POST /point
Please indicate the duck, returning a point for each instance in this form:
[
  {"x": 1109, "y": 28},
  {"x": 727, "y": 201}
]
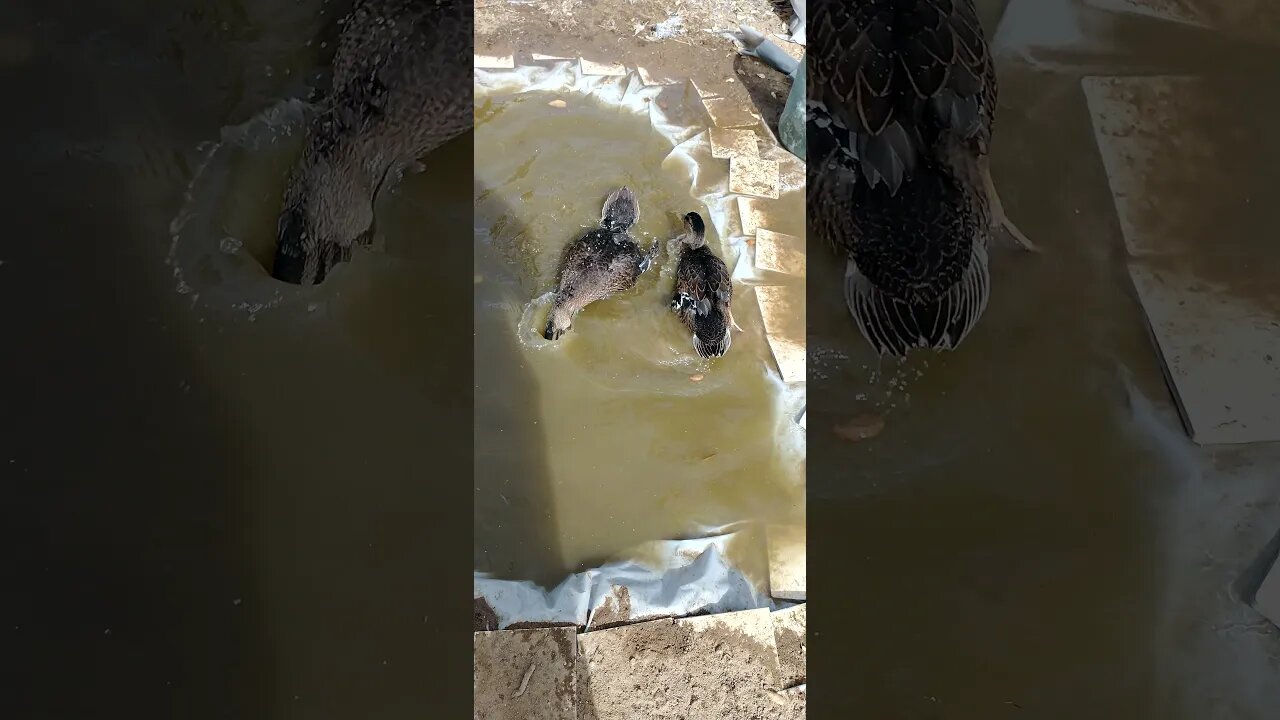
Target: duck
[
  {"x": 401, "y": 88},
  {"x": 703, "y": 296},
  {"x": 900, "y": 119},
  {"x": 601, "y": 263}
]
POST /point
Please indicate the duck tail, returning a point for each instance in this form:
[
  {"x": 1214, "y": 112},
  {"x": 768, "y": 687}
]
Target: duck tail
[
  {"x": 712, "y": 342},
  {"x": 894, "y": 326},
  {"x": 621, "y": 210},
  {"x": 695, "y": 230}
]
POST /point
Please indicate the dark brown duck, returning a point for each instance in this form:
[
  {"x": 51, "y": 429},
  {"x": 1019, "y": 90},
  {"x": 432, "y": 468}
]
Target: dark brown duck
[
  {"x": 902, "y": 104},
  {"x": 601, "y": 263},
  {"x": 401, "y": 87},
  {"x": 703, "y": 291}
]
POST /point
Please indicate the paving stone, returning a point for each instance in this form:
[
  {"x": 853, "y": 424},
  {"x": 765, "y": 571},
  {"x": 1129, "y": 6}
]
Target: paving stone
[
  {"x": 705, "y": 668},
  {"x": 1221, "y": 353},
  {"x": 728, "y": 113},
  {"x": 780, "y": 253},
  {"x": 1253, "y": 18},
  {"x": 650, "y": 77},
  {"x": 490, "y": 62},
  {"x": 754, "y": 176},
  {"x": 1267, "y": 601},
  {"x": 787, "y": 570},
  {"x": 1195, "y": 207},
  {"x": 590, "y": 67},
  {"x": 789, "y": 632},
  {"x": 733, "y": 142},
  {"x": 782, "y": 310},
  {"x": 525, "y": 674}
]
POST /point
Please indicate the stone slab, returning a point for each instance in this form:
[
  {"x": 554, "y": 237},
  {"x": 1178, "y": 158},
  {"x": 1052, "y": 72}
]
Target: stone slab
[
  {"x": 787, "y": 563},
  {"x": 1194, "y": 205},
  {"x": 752, "y": 212},
  {"x": 754, "y": 176},
  {"x": 590, "y": 67},
  {"x": 491, "y": 62},
  {"x": 790, "y": 634},
  {"x": 525, "y": 674},
  {"x": 1221, "y": 354},
  {"x": 650, "y": 77},
  {"x": 782, "y": 311},
  {"x": 1267, "y": 601},
  {"x": 1258, "y": 19},
  {"x": 781, "y": 253},
  {"x": 705, "y": 668},
  {"x": 1153, "y": 155},
  {"x": 730, "y": 113},
  {"x": 733, "y": 142}
]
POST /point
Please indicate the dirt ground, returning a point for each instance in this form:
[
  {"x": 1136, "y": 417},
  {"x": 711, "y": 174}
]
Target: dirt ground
[{"x": 680, "y": 38}]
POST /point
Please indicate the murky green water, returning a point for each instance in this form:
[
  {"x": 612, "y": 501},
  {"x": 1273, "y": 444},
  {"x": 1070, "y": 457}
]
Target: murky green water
[
  {"x": 1027, "y": 538},
  {"x": 213, "y": 515},
  {"x": 602, "y": 440}
]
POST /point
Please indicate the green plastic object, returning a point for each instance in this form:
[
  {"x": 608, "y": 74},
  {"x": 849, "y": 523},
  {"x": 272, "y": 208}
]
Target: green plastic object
[{"x": 791, "y": 130}]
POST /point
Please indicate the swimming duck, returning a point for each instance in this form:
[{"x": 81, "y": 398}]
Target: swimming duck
[
  {"x": 900, "y": 122},
  {"x": 703, "y": 293},
  {"x": 605, "y": 261},
  {"x": 401, "y": 88}
]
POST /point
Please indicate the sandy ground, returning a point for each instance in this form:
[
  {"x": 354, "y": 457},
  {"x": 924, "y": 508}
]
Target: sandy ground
[{"x": 681, "y": 38}]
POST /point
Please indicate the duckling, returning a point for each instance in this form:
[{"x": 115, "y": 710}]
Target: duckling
[
  {"x": 900, "y": 122},
  {"x": 605, "y": 261},
  {"x": 703, "y": 293},
  {"x": 401, "y": 88}
]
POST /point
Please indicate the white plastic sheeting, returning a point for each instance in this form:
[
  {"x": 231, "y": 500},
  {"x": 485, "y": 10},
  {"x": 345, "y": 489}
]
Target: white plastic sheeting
[{"x": 688, "y": 577}]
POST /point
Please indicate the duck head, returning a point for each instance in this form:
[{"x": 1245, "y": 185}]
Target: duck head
[
  {"x": 559, "y": 320},
  {"x": 327, "y": 210},
  {"x": 695, "y": 231}
]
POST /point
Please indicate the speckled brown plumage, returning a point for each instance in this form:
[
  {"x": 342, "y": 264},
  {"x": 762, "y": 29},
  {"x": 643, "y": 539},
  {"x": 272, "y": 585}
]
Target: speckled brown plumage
[
  {"x": 703, "y": 295},
  {"x": 401, "y": 87},
  {"x": 604, "y": 261},
  {"x": 903, "y": 96}
]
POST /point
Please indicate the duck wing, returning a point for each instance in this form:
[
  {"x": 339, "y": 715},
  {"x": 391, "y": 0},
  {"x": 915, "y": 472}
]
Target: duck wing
[
  {"x": 702, "y": 284},
  {"x": 890, "y": 75}
]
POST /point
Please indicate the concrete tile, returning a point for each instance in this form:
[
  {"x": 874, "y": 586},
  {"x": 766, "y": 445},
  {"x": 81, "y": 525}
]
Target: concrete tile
[
  {"x": 1153, "y": 157},
  {"x": 590, "y": 67},
  {"x": 790, "y": 637},
  {"x": 1252, "y": 18},
  {"x": 733, "y": 142},
  {"x": 649, "y": 77},
  {"x": 701, "y": 92},
  {"x": 753, "y": 176},
  {"x": 780, "y": 253},
  {"x": 1267, "y": 600},
  {"x": 753, "y": 213},
  {"x": 1221, "y": 354},
  {"x": 490, "y": 62},
  {"x": 706, "y": 668},
  {"x": 796, "y": 699},
  {"x": 525, "y": 674},
  {"x": 728, "y": 113},
  {"x": 787, "y": 568},
  {"x": 782, "y": 311}
]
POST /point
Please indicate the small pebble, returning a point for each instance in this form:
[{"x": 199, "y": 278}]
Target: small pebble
[
  {"x": 696, "y": 378},
  {"x": 863, "y": 427},
  {"x": 557, "y": 103}
]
